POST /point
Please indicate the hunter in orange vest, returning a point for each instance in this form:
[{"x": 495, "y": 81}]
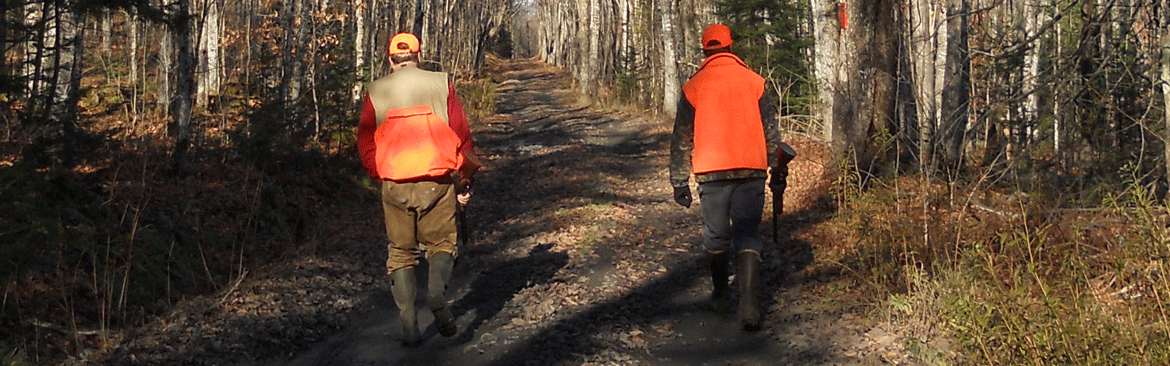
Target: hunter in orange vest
[
  {"x": 725, "y": 133},
  {"x": 413, "y": 136}
]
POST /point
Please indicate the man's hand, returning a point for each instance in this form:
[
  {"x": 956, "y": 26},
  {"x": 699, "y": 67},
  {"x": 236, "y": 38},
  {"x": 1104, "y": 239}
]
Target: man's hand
[
  {"x": 779, "y": 180},
  {"x": 463, "y": 190},
  {"x": 682, "y": 195},
  {"x": 463, "y": 198}
]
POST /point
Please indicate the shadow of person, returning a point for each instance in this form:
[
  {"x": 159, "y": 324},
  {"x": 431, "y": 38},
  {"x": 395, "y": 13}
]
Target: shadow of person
[{"x": 493, "y": 288}]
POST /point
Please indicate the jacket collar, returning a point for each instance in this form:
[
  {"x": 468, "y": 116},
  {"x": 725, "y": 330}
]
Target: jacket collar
[{"x": 722, "y": 56}]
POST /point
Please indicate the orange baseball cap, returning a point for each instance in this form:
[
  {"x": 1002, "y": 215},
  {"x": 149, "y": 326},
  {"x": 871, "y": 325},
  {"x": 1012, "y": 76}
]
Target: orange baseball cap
[
  {"x": 403, "y": 43},
  {"x": 716, "y": 36}
]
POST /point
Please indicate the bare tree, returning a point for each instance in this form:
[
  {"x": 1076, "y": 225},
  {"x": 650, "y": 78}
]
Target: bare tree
[
  {"x": 670, "y": 83},
  {"x": 956, "y": 85},
  {"x": 1164, "y": 22},
  {"x": 210, "y": 66},
  {"x": 359, "y": 49},
  {"x": 184, "y": 87}
]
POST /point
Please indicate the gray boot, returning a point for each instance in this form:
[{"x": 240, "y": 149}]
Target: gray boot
[
  {"x": 440, "y": 273},
  {"x": 404, "y": 286},
  {"x": 748, "y": 272},
  {"x": 721, "y": 296}
]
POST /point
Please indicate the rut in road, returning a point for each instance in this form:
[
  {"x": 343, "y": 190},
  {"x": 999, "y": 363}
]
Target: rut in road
[{"x": 580, "y": 257}]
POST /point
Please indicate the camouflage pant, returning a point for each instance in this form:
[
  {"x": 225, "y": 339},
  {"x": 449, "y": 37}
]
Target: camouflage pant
[{"x": 420, "y": 217}]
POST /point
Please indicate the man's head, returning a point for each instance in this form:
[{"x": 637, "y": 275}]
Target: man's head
[
  {"x": 716, "y": 39},
  {"x": 404, "y": 50}
]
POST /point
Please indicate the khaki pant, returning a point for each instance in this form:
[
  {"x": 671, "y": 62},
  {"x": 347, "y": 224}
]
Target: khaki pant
[{"x": 420, "y": 217}]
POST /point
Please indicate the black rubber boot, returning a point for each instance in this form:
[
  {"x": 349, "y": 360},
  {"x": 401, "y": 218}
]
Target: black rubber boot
[
  {"x": 721, "y": 296},
  {"x": 748, "y": 273},
  {"x": 438, "y": 276},
  {"x": 404, "y": 286}
]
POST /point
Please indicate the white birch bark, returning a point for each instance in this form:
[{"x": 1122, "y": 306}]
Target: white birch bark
[
  {"x": 132, "y": 24},
  {"x": 1031, "y": 19},
  {"x": 33, "y": 48},
  {"x": 594, "y": 59},
  {"x": 166, "y": 62},
  {"x": 359, "y": 50},
  {"x": 824, "y": 60},
  {"x": 1165, "y": 79},
  {"x": 210, "y": 67},
  {"x": 670, "y": 83},
  {"x": 1058, "y": 119}
]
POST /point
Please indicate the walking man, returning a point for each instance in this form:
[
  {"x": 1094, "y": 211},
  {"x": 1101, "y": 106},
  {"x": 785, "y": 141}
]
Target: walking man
[
  {"x": 414, "y": 137},
  {"x": 725, "y": 132}
]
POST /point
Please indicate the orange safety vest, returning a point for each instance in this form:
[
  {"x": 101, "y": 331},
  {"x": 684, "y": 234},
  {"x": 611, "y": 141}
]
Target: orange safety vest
[
  {"x": 729, "y": 132},
  {"x": 414, "y": 142}
]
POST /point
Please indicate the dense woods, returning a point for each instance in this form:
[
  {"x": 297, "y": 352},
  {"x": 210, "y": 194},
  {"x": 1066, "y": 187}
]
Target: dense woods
[{"x": 1072, "y": 96}]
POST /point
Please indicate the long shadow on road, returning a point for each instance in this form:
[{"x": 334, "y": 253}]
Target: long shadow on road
[{"x": 548, "y": 161}]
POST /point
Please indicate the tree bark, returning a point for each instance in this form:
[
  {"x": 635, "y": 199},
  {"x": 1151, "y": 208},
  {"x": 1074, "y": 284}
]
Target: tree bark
[
  {"x": 825, "y": 38},
  {"x": 166, "y": 61},
  {"x": 670, "y": 83},
  {"x": 359, "y": 50},
  {"x": 185, "y": 90},
  {"x": 956, "y": 84},
  {"x": 925, "y": 46},
  {"x": 210, "y": 61},
  {"x": 1165, "y": 80},
  {"x": 67, "y": 50}
]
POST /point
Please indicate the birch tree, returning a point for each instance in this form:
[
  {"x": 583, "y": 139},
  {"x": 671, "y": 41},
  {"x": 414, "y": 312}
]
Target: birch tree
[
  {"x": 670, "y": 83},
  {"x": 1164, "y": 22},
  {"x": 359, "y": 50},
  {"x": 210, "y": 61}
]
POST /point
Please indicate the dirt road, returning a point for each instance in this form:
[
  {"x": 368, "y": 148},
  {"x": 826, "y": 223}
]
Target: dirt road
[
  {"x": 581, "y": 258},
  {"x": 578, "y": 257}
]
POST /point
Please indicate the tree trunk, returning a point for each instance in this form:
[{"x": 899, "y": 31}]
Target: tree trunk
[
  {"x": 166, "y": 61},
  {"x": 825, "y": 38},
  {"x": 34, "y": 54},
  {"x": 132, "y": 24},
  {"x": 1031, "y": 68},
  {"x": 185, "y": 90},
  {"x": 289, "y": 92},
  {"x": 1165, "y": 80},
  {"x": 956, "y": 84},
  {"x": 594, "y": 60},
  {"x": 359, "y": 50},
  {"x": 924, "y": 22},
  {"x": 670, "y": 83},
  {"x": 106, "y": 18},
  {"x": 210, "y": 66},
  {"x": 67, "y": 50},
  {"x": 1058, "y": 118}
]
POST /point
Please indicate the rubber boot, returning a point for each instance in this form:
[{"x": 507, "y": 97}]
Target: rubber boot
[
  {"x": 721, "y": 296},
  {"x": 748, "y": 273},
  {"x": 404, "y": 286},
  {"x": 439, "y": 274}
]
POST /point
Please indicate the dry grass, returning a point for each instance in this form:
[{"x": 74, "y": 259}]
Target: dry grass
[{"x": 971, "y": 274}]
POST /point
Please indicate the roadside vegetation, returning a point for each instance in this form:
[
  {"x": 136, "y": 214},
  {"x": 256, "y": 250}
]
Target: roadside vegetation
[{"x": 1007, "y": 272}]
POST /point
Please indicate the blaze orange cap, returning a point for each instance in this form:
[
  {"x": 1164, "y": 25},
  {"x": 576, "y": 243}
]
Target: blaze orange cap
[
  {"x": 716, "y": 36},
  {"x": 403, "y": 43}
]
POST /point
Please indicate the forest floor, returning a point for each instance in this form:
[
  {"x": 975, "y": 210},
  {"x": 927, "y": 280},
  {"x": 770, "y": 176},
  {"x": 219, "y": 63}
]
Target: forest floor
[{"x": 578, "y": 256}]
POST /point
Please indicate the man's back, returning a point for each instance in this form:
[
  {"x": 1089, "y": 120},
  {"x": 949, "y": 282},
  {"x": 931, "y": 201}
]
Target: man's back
[{"x": 410, "y": 87}]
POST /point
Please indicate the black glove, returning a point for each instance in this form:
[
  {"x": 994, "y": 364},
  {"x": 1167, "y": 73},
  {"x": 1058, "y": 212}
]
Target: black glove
[
  {"x": 779, "y": 181},
  {"x": 682, "y": 195}
]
